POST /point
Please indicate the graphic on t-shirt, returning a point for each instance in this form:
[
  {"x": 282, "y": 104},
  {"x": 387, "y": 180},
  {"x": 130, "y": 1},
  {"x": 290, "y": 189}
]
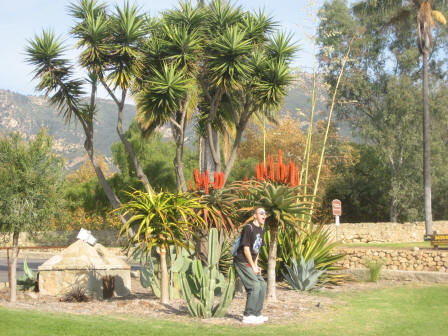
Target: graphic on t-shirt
[{"x": 257, "y": 243}]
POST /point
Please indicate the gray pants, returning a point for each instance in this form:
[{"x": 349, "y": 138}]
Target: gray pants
[{"x": 255, "y": 288}]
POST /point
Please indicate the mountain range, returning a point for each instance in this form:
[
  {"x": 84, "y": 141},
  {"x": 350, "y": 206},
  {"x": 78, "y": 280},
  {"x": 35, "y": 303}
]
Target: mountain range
[{"x": 27, "y": 114}]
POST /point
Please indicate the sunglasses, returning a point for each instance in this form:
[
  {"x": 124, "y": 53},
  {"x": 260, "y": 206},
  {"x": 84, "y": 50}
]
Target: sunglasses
[{"x": 262, "y": 212}]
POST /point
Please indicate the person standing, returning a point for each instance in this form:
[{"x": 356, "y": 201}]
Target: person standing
[{"x": 246, "y": 266}]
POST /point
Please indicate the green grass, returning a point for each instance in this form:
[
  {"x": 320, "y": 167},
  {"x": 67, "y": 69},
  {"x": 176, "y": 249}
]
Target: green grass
[
  {"x": 390, "y": 245},
  {"x": 394, "y": 311}
]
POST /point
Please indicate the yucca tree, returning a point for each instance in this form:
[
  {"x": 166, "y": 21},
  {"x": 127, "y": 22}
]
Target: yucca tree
[
  {"x": 57, "y": 82},
  {"x": 161, "y": 220},
  {"x": 398, "y": 11},
  {"x": 166, "y": 90},
  {"x": 110, "y": 50},
  {"x": 244, "y": 70}
]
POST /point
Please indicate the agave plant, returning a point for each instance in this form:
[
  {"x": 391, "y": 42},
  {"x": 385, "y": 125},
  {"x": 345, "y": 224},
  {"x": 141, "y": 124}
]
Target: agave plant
[
  {"x": 314, "y": 242},
  {"x": 28, "y": 280},
  {"x": 302, "y": 278}
]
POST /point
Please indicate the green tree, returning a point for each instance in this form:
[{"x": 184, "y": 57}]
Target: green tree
[
  {"x": 422, "y": 12},
  {"x": 379, "y": 92},
  {"x": 156, "y": 157},
  {"x": 31, "y": 180}
]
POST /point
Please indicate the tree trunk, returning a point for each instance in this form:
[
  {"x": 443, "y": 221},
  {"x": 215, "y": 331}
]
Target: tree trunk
[
  {"x": 426, "y": 147},
  {"x": 207, "y": 161},
  {"x": 129, "y": 149},
  {"x": 110, "y": 194},
  {"x": 127, "y": 145},
  {"x": 13, "y": 279},
  {"x": 164, "y": 281},
  {"x": 393, "y": 198},
  {"x": 271, "y": 295},
  {"x": 178, "y": 136}
]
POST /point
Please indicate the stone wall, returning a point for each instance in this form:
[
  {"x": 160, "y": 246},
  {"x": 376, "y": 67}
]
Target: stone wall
[
  {"x": 385, "y": 232},
  {"x": 396, "y": 259},
  {"x": 63, "y": 238},
  {"x": 346, "y": 232}
]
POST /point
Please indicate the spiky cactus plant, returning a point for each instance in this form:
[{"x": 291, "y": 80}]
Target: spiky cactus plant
[{"x": 200, "y": 284}]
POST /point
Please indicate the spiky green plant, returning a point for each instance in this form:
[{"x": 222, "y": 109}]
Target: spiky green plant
[
  {"x": 374, "y": 267},
  {"x": 200, "y": 284},
  {"x": 28, "y": 280},
  {"x": 311, "y": 243},
  {"x": 160, "y": 220},
  {"x": 302, "y": 278}
]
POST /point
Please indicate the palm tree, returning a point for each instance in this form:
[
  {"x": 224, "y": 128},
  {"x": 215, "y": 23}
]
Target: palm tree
[{"x": 426, "y": 17}]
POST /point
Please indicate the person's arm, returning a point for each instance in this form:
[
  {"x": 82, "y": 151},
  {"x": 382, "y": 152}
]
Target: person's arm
[{"x": 249, "y": 259}]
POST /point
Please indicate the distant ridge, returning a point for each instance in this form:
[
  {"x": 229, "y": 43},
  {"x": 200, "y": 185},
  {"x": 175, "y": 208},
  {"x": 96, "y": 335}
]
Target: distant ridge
[{"x": 28, "y": 114}]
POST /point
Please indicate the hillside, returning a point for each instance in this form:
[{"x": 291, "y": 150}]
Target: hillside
[{"x": 28, "y": 114}]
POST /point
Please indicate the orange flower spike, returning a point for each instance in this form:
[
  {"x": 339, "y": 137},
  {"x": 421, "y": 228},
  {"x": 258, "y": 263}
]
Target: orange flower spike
[
  {"x": 272, "y": 173},
  {"x": 277, "y": 175},
  {"x": 245, "y": 178},
  {"x": 189, "y": 186},
  {"x": 196, "y": 178},
  {"x": 215, "y": 180},
  {"x": 282, "y": 172},
  {"x": 222, "y": 180},
  {"x": 280, "y": 156}
]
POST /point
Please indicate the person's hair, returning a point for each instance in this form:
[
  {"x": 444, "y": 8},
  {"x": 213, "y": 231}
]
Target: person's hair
[{"x": 256, "y": 209}]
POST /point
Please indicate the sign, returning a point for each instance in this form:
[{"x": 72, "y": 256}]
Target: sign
[{"x": 337, "y": 207}]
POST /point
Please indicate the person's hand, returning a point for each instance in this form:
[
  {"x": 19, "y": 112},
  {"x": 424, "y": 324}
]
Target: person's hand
[{"x": 257, "y": 270}]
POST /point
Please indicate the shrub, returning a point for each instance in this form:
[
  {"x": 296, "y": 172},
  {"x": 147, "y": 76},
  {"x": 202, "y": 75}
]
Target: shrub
[
  {"x": 374, "y": 267},
  {"x": 76, "y": 294}
]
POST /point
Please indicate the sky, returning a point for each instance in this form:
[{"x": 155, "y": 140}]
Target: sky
[{"x": 21, "y": 20}]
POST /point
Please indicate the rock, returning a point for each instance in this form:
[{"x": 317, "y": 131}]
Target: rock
[
  {"x": 415, "y": 249},
  {"x": 32, "y": 295}
]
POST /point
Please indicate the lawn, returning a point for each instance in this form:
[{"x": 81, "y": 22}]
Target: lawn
[{"x": 408, "y": 310}]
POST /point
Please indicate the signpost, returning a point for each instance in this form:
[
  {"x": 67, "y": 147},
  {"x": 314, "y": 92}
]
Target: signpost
[{"x": 336, "y": 206}]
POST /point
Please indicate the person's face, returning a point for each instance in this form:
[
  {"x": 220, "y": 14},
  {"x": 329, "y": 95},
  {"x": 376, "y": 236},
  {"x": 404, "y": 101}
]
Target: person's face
[{"x": 260, "y": 216}]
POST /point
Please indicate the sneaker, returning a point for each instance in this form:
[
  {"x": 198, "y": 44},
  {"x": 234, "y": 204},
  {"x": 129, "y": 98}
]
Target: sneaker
[
  {"x": 252, "y": 319},
  {"x": 263, "y": 318}
]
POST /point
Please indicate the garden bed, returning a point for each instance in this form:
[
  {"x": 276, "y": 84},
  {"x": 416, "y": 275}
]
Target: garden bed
[{"x": 291, "y": 307}]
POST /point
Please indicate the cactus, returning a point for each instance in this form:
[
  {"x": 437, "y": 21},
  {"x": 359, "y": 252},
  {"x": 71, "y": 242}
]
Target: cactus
[
  {"x": 178, "y": 262},
  {"x": 200, "y": 284},
  {"x": 302, "y": 278}
]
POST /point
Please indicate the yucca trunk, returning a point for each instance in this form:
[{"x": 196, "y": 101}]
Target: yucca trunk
[
  {"x": 110, "y": 194},
  {"x": 272, "y": 257},
  {"x": 164, "y": 278},
  {"x": 129, "y": 149},
  {"x": 426, "y": 147},
  {"x": 13, "y": 274}
]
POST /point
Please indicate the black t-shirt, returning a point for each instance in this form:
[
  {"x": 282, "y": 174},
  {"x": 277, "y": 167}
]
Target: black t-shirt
[{"x": 251, "y": 236}]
